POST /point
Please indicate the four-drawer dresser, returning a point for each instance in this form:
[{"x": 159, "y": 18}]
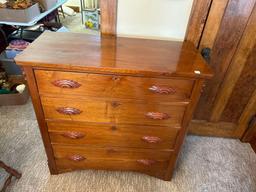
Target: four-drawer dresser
[{"x": 113, "y": 103}]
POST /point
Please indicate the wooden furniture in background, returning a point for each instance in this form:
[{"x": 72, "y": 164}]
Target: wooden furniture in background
[
  {"x": 113, "y": 103},
  {"x": 12, "y": 172},
  {"x": 224, "y": 30},
  {"x": 108, "y": 15}
]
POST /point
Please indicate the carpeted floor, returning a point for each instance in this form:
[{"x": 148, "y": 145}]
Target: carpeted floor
[{"x": 205, "y": 165}]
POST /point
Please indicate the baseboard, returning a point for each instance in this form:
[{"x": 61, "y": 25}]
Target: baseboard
[
  {"x": 253, "y": 145},
  {"x": 205, "y": 128}
]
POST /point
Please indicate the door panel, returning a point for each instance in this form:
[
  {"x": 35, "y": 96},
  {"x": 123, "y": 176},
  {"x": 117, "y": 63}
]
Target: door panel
[
  {"x": 230, "y": 32},
  {"x": 227, "y": 100},
  {"x": 244, "y": 87},
  {"x": 243, "y": 58}
]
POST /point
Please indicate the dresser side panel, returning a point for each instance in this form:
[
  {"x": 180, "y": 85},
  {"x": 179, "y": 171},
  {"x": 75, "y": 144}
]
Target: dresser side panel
[
  {"x": 40, "y": 118},
  {"x": 186, "y": 120}
]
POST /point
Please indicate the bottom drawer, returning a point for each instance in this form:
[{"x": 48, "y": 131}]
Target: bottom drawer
[{"x": 152, "y": 162}]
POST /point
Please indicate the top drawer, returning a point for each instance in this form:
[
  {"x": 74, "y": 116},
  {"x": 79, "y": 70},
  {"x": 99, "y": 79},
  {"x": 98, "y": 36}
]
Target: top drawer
[{"x": 126, "y": 87}]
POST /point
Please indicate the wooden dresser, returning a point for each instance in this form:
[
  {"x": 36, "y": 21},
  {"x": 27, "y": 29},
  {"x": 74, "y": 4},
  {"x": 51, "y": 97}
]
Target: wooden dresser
[{"x": 113, "y": 103}]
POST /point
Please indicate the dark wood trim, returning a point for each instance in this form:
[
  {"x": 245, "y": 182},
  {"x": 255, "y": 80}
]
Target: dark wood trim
[
  {"x": 248, "y": 112},
  {"x": 217, "y": 129},
  {"x": 213, "y": 23},
  {"x": 251, "y": 131},
  {"x": 108, "y": 16},
  {"x": 40, "y": 118},
  {"x": 250, "y": 134},
  {"x": 197, "y": 21}
]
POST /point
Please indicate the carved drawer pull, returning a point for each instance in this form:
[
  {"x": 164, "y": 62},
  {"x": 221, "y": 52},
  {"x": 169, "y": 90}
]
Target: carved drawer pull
[
  {"x": 157, "y": 115},
  {"x": 162, "y": 90},
  {"x": 115, "y": 104},
  {"x": 76, "y": 158},
  {"x": 116, "y": 78},
  {"x": 73, "y": 135},
  {"x": 68, "y": 111},
  {"x": 146, "y": 162},
  {"x": 65, "y": 83},
  {"x": 151, "y": 139}
]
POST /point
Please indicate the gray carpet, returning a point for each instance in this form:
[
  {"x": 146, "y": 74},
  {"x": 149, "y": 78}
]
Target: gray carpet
[{"x": 205, "y": 165}]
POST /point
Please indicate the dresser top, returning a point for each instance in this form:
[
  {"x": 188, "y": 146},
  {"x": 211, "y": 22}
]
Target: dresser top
[{"x": 81, "y": 52}]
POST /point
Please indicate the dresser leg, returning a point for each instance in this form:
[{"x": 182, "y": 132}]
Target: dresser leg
[{"x": 52, "y": 170}]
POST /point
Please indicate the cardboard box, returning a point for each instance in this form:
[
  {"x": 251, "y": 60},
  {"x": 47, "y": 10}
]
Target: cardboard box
[
  {"x": 15, "y": 98},
  {"x": 48, "y": 4},
  {"x": 19, "y": 15}
]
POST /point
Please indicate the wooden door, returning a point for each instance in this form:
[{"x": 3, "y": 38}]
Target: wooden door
[{"x": 225, "y": 32}]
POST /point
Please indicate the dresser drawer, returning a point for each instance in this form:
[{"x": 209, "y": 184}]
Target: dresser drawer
[
  {"x": 148, "y": 161},
  {"x": 68, "y": 83},
  {"x": 105, "y": 135},
  {"x": 107, "y": 111}
]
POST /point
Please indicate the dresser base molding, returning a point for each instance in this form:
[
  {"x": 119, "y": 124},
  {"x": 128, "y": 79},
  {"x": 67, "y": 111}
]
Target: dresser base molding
[
  {"x": 125, "y": 107},
  {"x": 121, "y": 166},
  {"x": 146, "y": 161}
]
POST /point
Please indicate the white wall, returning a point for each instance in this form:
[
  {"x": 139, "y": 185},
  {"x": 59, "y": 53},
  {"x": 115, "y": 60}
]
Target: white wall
[{"x": 159, "y": 19}]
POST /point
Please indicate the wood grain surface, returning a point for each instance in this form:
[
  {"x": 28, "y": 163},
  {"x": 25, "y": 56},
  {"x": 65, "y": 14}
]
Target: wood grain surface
[
  {"x": 108, "y": 16},
  {"x": 235, "y": 17},
  {"x": 106, "y": 135},
  {"x": 213, "y": 23},
  {"x": 244, "y": 58},
  {"x": 132, "y": 56},
  {"x": 197, "y": 21},
  {"x": 113, "y": 159},
  {"x": 114, "y": 86},
  {"x": 40, "y": 118},
  {"x": 119, "y": 111},
  {"x": 114, "y": 103}
]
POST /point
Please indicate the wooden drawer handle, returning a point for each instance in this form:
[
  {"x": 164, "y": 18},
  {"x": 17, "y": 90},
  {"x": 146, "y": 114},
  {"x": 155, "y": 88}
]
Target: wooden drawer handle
[
  {"x": 76, "y": 158},
  {"x": 66, "y": 83},
  {"x": 162, "y": 90},
  {"x": 73, "y": 135},
  {"x": 116, "y": 78},
  {"x": 157, "y": 115},
  {"x": 146, "y": 162},
  {"x": 151, "y": 139},
  {"x": 68, "y": 111},
  {"x": 115, "y": 104}
]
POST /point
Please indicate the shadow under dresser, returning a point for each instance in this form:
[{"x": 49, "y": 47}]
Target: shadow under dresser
[{"x": 113, "y": 103}]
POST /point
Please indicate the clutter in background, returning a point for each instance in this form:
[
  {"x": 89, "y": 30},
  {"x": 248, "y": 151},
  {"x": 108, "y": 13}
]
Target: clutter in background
[
  {"x": 15, "y": 47},
  {"x": 92, "y": 19}
]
